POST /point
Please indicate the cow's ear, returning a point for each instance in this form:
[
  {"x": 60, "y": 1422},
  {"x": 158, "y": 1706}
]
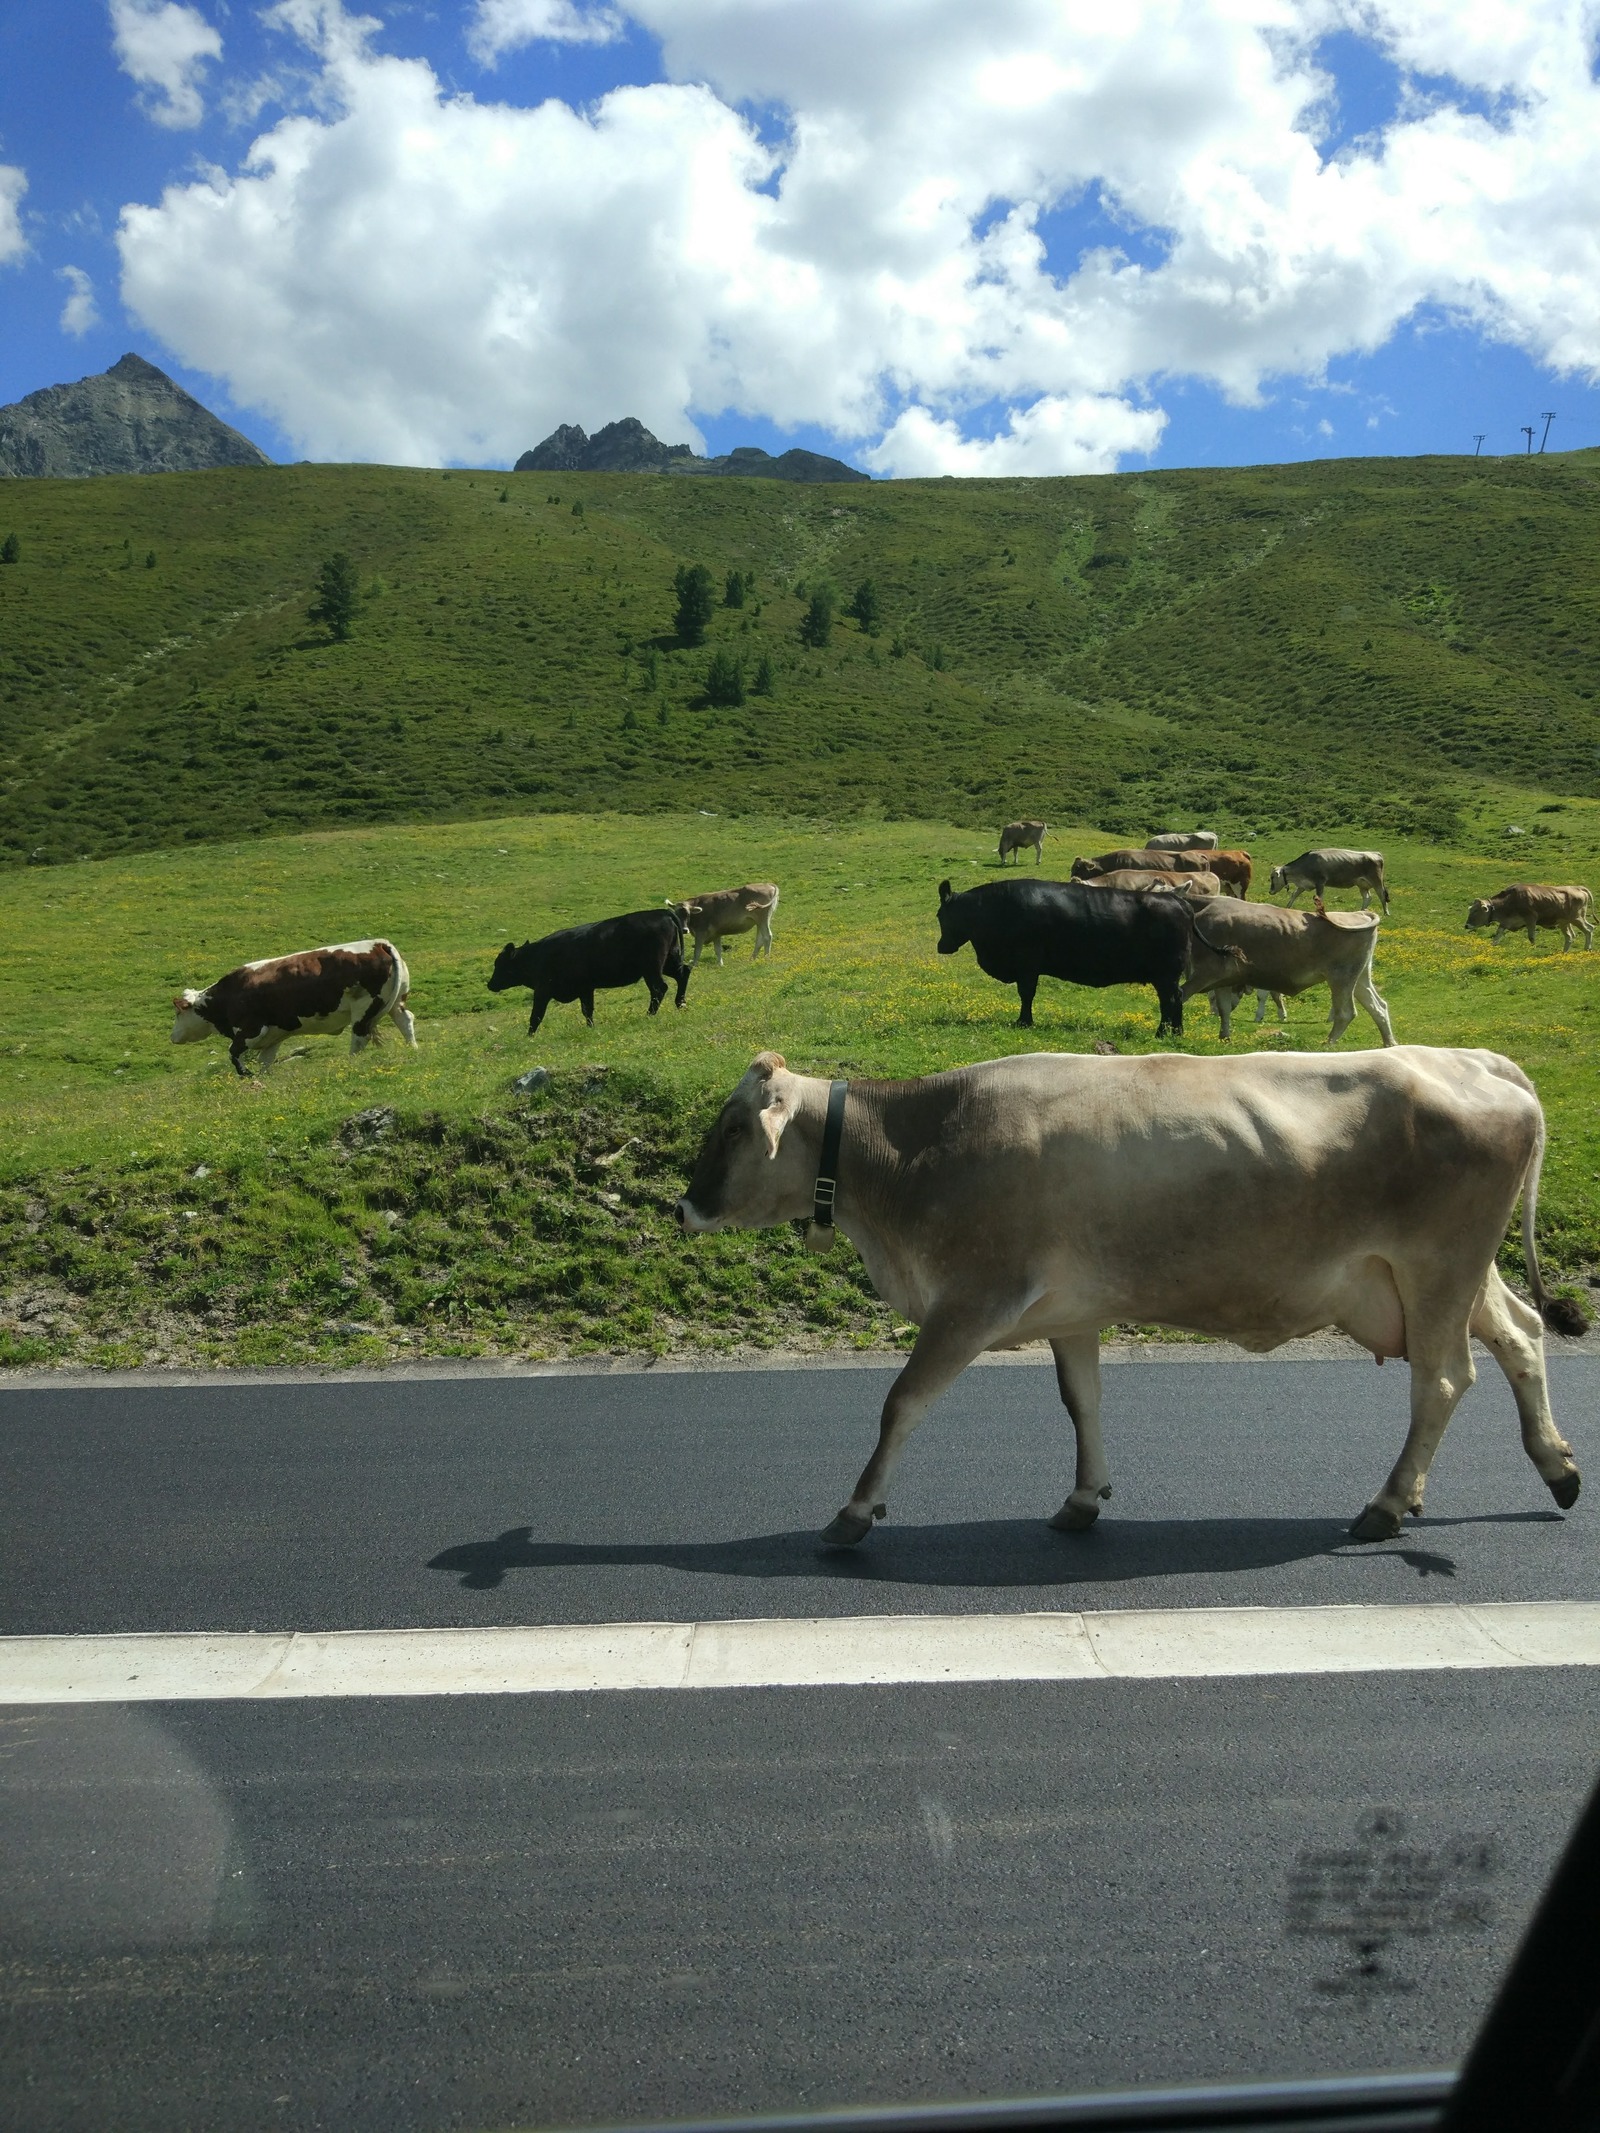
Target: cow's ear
[
  {"x": 775, "y": 1114},
  {"x": 944, "y": 892},
  {"x": 179, "y": 1002},
  {"x": 766, "y": 1064},
  {"x": 510, "y": 948}
]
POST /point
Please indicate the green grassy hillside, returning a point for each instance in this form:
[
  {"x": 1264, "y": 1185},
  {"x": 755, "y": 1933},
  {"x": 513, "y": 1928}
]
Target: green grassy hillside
[
  {"x": 154, "y": 1207},
  {"x": 1405, "y": 643}
]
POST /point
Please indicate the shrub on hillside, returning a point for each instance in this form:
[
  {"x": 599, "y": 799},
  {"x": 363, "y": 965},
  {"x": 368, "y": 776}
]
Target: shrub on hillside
[
  {"x": 733, "y": 589},
  {"x": 866, "y": 608},
  {"x": 693, "y": 588},
  {"x": 766, "y": 681},
  {"x": 816, "y": 625},
  {"x": 724, "y": 679},
  {"x": 337, "y": 589},
  {"x": 10, "y": 549}
]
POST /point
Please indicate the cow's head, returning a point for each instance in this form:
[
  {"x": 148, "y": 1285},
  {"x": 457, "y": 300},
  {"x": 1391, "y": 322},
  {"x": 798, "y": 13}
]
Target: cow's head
[
  {"x": 188, "y": 1024},
  {"x": 1278, "y": 879},
  {"x": 747, "y": 1175},
  {"x": 1479, "y": 914},
  {"x": 511, "y": 967},
  {"x": 1084, "y": 870},
  {"x": 955, "y": 919}
]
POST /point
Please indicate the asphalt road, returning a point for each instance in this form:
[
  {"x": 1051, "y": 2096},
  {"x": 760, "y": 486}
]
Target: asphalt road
[{"x": 557, "y": 1909}]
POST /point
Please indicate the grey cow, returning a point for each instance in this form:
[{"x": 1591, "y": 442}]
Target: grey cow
[{"x": 1333, "y": 867}]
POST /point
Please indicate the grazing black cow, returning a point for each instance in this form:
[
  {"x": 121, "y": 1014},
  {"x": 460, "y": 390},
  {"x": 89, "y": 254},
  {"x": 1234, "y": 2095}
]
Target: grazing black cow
[
  {"x": 1022, "y": 931},
  {"x": 580, "y": 961}
]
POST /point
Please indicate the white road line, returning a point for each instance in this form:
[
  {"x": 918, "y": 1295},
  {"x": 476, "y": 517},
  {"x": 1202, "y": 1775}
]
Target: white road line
[{"x": 1147, "y": 1644}]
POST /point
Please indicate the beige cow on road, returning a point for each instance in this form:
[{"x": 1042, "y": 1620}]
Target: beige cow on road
[
  {"x": 1017, "y": 1200},
  {"x": 1528, "y": 906},
  {"x": 721, "y": 912},
  {"x": 1016, "y": 836}
]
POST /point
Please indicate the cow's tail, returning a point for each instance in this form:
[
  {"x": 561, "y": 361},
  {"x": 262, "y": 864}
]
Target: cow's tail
[
  {"x": 1559, "y": 1313},
  {"x": 1226, "y": 948}
]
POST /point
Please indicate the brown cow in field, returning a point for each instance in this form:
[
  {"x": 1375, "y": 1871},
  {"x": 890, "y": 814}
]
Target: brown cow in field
[
  {"x": 1016, "y": 835},
  {"x": 1242, "y": 948},
  {"x": 1018, "y": 1200},
  {"x": 1233, "y": 870},
  {"x": 1332, "y": 867},
  {"x": 1146, "y": 881},
  {"x": 723, "y": 911},
  {"x": 1136, "y": 858},
  {"x": 1531, "y": 905},
  {"x": 317, "y": 993}
]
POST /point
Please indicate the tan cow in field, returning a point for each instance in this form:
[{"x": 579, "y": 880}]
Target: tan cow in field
[
  {"x": 1182, "y": 841},
  {"x": 724, "y": 911},
  {"x": 1135, "y": 858},
  {"x": 1144, "y": 881},
  {"x": 1242, "y": 948},
  {"x": 320, "y": 992},
  {"x": 1016, "y": 835},
  {"x": 1529, "y": 905},
  {"x": 1332, "y": 867},
  {"x": 1018, "y": 1200}
]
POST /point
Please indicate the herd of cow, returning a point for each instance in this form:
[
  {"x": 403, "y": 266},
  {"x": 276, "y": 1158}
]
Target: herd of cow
[{"x": 1047, "y": 1196}]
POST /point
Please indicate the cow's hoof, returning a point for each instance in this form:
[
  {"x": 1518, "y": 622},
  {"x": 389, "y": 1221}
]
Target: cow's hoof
[
  {"x": 1565, "y": 1488},
  {"x": 850, "y": 1527},
  {"x": 1075, "y": 1517},
  {"x": 1376, "y": 1524}
]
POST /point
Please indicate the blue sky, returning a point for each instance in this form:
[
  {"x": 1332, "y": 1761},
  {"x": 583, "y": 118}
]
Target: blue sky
[{"x": 1383, "y": 316}]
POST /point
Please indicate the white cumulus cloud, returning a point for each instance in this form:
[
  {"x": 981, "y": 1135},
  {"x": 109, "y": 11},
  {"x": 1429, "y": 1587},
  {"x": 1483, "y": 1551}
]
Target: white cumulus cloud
[
  {"x": 165, "y": 47},
  {"x": 502, "y": 25},
  {"x": 983, "y": 241},
  {"x": 13, "y": 184},
  {"x": 78, "y": 313}
]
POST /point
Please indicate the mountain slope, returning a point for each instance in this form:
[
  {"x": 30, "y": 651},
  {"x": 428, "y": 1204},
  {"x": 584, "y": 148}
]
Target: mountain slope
[
  {"x": 1373, "y": 641},
  {"x": 130, "y": 419}
]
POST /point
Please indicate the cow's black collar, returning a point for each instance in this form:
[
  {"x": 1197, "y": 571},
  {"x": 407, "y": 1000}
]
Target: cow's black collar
[{"x": 818, "y": 1231}]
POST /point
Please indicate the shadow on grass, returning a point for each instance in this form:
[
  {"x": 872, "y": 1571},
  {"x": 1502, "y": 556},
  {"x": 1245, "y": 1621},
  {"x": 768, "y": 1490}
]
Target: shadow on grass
[{"x": 999, "y": 1553}]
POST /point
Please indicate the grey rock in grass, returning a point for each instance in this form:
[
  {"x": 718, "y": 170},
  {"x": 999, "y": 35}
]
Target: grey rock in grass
[
  {"x": 367, "y": 1128},
  {"x": 130, "y": 419},
  {"x": 535, "y": 1078}
]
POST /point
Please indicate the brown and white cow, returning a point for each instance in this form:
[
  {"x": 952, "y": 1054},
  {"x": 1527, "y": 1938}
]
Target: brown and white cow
[
  {"x": 1333, "y": 867},
  {"x": 1017, "y": 1200},
  {"x": 1016, "y": 836},
  {"x": 725, "y": 911},
  {"x": 1530, "y": 905},
  {"x": 317, "y": 993},
  {"x": 1242, "y": 948},
  {"x": 1143, "y": 881},
  {"x": 1182, "y": 841}
]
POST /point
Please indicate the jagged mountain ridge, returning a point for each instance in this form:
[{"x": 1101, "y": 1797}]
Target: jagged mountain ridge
[
  {"x": 627, "y": 447},
  {"x": 130, "y": 419}
]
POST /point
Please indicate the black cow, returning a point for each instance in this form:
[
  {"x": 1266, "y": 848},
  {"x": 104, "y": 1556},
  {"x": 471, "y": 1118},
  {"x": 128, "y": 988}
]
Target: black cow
[
  {"x": 1022, "y": 931},
  {"x": 580, "y": 961}
]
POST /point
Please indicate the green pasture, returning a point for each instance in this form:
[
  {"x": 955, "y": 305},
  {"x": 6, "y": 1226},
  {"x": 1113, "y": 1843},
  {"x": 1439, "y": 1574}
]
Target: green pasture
[{"x": 154, "y": 1206}]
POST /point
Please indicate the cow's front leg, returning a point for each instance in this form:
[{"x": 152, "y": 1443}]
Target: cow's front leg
[
  {"x": 541, "y": 1001},
  {"x": 1078, "y": 1375},
  {"x": 952, "y": 1336},
  {"x": 586, "y": 1002},
  {"x": 1026, "y": 988},
  {"x": 719, "y": 951}
]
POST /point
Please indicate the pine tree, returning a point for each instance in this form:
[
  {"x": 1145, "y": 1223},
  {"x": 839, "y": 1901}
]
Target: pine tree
[
  {"x": 695, "y": 602},
  {"x": 865, "y": 607},
  {"x": 724, "y": 679},
  {"x": 335, "y": 603},
  {"x": 10, "y": 549},
  {"x": 766, "y": 682},
  {"x": 817, "y": 625},
  {"x": 733, "y": 590}
]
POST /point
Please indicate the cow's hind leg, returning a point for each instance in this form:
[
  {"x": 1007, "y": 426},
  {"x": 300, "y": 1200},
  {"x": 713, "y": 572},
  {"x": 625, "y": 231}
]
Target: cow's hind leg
[
  {"x": 1511, "y": 1331},
  {"x": 1078, "y": 1375},
  {"x": 1440, "y": 1351},
  {"x": 1375, "y": 1004},
  {"x": 1170, "y": 996},
  {"x": 1344, "y": 1010},
  {"x": 658, "y": 990},
  {"x": 952, "y": 1336}
]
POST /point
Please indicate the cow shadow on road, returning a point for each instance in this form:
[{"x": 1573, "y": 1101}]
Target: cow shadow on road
[{"x": 974, "y": 1553}]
